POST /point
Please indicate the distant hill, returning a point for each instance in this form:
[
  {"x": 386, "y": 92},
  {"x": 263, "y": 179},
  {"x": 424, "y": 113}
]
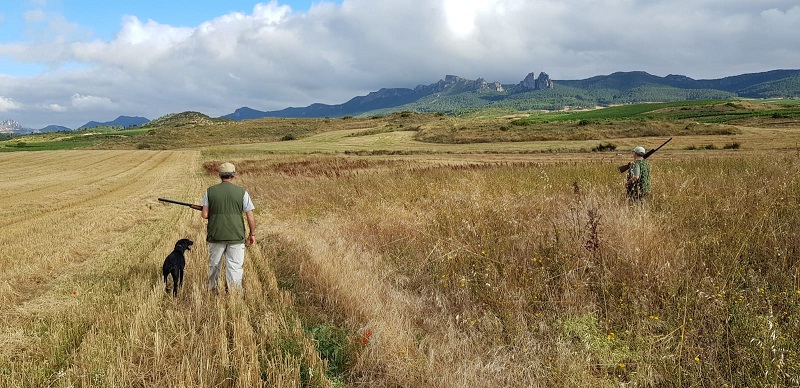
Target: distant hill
[
  {"x": 787, "y": 87},
  {"x": 121, "y": 121},
  {"x": 629, "y": 80},
  {"x": 54, "y": 128},
  {"x": 455, "y": 94},
  {"x": 182, "y": 119}
]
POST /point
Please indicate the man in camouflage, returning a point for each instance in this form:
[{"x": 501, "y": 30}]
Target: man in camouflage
[{"x": 638, "y": 179}]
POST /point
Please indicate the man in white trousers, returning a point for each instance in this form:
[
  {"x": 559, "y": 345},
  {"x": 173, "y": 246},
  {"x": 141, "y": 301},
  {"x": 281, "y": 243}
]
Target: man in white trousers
[{"x": 223, "y": 205}]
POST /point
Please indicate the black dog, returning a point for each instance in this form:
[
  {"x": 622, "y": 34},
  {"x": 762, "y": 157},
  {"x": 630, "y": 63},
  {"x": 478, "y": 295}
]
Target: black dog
[{"x": 174, "y": 264}]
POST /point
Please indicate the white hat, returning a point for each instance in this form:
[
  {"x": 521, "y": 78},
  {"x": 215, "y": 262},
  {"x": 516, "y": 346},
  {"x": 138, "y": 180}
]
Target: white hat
[
  {"x": 227, "y": 167},
  {"x": 639, "y": 150}
]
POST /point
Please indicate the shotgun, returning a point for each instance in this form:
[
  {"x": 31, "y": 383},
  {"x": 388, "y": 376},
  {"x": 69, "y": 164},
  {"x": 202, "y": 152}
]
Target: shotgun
[
  {"x": 647, "y": 155},
  {"x": 193, "y": 206}
]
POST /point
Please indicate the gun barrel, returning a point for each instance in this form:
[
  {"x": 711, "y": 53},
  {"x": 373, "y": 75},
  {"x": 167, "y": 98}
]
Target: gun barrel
[
  {"x": 625, "y": 168},
  {"x": 193, "y": 206}
]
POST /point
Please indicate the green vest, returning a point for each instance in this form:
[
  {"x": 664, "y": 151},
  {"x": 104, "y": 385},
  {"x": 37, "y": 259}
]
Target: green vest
[{"x": 225, "y": 222}]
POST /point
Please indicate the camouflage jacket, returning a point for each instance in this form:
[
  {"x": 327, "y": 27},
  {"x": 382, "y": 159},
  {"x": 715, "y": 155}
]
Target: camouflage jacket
[{"x": 641, "y": 187}]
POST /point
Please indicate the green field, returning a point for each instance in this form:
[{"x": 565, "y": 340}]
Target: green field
[{"x": 66, "y": 140}]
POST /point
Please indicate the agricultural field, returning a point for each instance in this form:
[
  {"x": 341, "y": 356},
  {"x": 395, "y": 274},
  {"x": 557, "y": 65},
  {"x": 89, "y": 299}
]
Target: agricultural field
[{"x": 385, "y": 260}]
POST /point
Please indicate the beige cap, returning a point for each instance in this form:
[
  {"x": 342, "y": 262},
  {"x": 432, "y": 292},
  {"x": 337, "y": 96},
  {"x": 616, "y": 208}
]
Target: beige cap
[{"x": 227, "y": 167}]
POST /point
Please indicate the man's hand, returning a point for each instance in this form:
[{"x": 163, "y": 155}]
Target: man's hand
[{"x": 251, "y": 225}]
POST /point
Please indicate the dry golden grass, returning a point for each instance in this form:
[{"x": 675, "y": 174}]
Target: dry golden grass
[{"x": 481, "y": 276}]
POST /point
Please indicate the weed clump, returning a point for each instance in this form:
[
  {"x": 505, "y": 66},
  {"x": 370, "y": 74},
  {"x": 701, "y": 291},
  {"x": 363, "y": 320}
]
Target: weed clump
[{"x": 604, "y": 147}]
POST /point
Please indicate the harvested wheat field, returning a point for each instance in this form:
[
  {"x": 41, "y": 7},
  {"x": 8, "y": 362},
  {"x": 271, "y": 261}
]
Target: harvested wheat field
[{"x": 83, "y": 302}]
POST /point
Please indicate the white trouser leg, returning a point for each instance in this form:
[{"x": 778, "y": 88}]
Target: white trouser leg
[
  {"x": 234, "y": 256},
  {"x": 215, "y": 252}
]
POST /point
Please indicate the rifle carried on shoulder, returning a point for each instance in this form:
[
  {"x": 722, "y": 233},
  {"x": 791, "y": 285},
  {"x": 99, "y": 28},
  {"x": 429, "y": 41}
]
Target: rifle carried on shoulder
[
  {"x": 191, "y": 205},
  {"x": 647, "y": 155}
]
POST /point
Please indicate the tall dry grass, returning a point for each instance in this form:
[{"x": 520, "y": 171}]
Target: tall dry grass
[{"x": 541, "y": 275}]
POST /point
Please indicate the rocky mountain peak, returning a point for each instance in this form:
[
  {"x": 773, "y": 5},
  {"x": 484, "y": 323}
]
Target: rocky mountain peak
[
  {"x": 459, "y": 84},
  {"x": 452, "y": 79},
  {"x": 532, "y": 82},
  {"x": 10, "y": 126}
]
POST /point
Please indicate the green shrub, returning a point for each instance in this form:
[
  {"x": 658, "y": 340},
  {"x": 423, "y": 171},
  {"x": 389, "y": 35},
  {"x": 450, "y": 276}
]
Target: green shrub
[
  {"x": 333, "y": 345},
  {"x": 604, "y": 147}
]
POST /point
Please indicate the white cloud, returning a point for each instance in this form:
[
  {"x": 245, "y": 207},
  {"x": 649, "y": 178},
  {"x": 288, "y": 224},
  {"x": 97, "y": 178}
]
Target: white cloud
[
  {"x": 272, "y": 57},
  {"x": 137, "y": 46},
  {"x": 461, "y": 14},
  {"x": 54, "y": 107},
  {"x": 82, "y": 101},
  {"x": 34, "y": 16},
  {"x": 7, "y": 104},
  {"x": 788, "y": 19}
]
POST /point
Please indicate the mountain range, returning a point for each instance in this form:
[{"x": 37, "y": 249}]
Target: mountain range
[
  {"x": 455, "y": 94},
  {"x": 13, "y": 127}
]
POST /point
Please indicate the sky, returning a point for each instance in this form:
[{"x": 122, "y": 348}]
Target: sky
[{"x": 67, "y": 62}]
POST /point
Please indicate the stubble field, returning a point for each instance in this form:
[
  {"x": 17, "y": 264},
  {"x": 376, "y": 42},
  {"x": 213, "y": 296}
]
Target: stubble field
[{"x": 473, "y": 265}]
